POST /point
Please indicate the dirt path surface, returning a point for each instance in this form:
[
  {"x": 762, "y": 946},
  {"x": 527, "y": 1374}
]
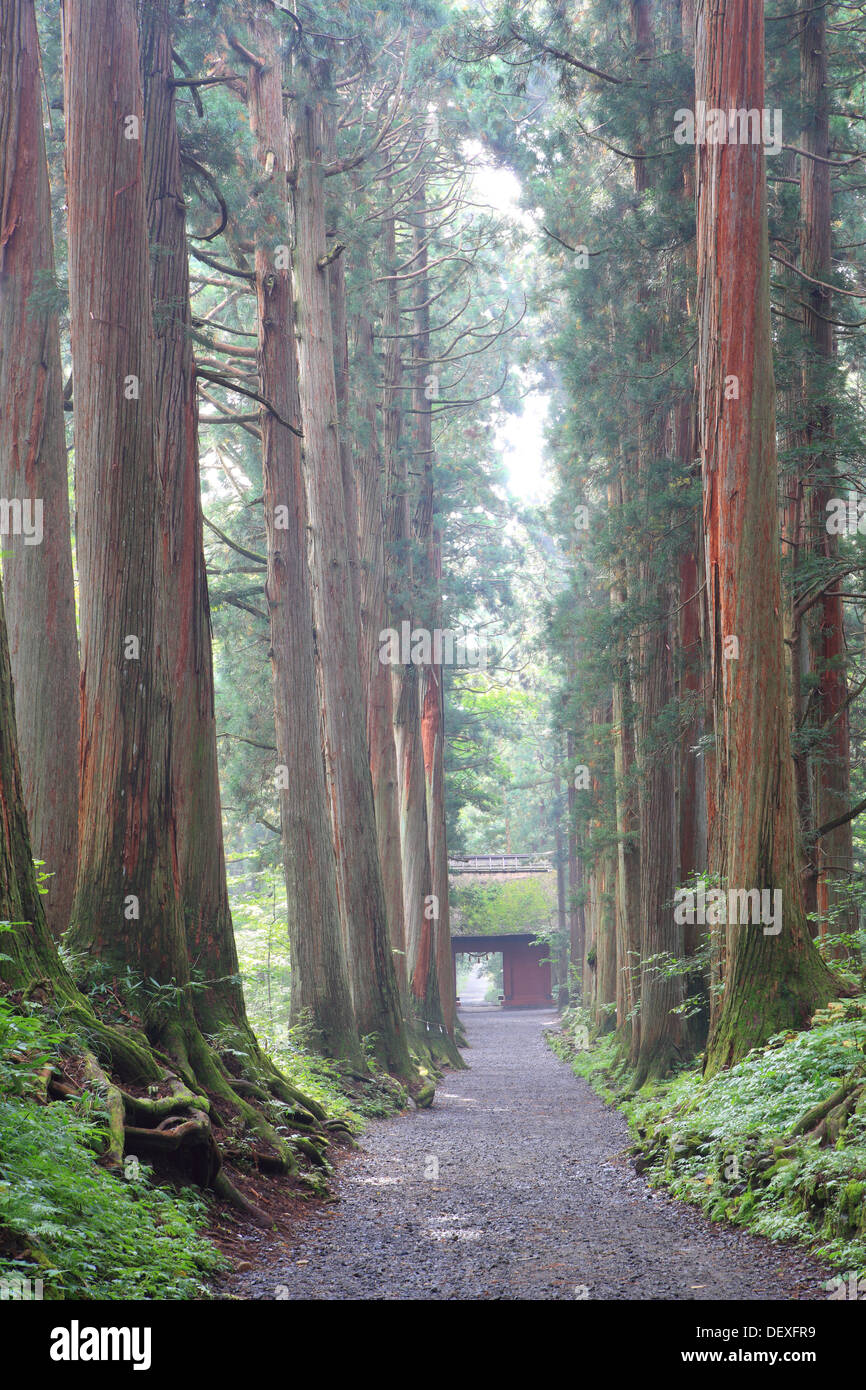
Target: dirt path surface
[{"x": 514, "y": 1186}]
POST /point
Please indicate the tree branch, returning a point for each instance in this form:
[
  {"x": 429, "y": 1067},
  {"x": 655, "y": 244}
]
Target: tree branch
[
  {"x": 221, "y": 202},
  {"x": 842, "y": 820},
  {"x": 247, "y": 275},
  {"x": 568, "y": 59},
  {"x": 239, "y": 603},
  {"x": 245, "y": 53},
  {"x": 822, "y": 284},
  {"x": 253, "y": 395},
  {"x": 329, "y": 257},
  {"x": 238, "y": 738},
  {"x": 260, "y": 560}
]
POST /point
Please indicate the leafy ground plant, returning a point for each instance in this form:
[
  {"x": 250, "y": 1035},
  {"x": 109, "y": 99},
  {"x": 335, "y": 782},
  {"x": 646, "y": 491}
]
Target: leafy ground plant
[{"x": 65, "y": 1220}]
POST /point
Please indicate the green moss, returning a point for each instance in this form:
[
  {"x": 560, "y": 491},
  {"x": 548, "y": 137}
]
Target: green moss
[
  {"x": 64, "y": 1219},
  {"x": 853, "y": 1205}
]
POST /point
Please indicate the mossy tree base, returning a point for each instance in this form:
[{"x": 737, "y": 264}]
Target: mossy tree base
[
  {"x": 775, "y": 984},
  {"x": 654, "y": 1065},
  {"x": 194, "y": 1110}
]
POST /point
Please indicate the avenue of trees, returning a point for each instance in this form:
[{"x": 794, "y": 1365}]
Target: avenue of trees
[
  {"x": 260, "y": 257},
  {"x": 697, "y": 177},
  {"x": 257, "y": 333}
]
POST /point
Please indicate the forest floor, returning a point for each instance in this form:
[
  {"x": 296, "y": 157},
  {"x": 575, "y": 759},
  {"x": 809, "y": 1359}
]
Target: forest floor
[{"x": 515, "y": 1185}]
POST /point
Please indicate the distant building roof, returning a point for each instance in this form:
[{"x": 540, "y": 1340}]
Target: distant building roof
[{"x": 499, "y": 864}]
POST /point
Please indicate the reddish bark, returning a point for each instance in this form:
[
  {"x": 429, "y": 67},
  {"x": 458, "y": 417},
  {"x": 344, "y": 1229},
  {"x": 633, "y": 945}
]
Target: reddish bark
[
  {"x": 320, "y": 983},
  {"x": 37, "y": 578},
  {"x": 432, "y": 694},
  {"x": 376, "y": 674},
  {"x": 195, "y": 776},
  {"x": 128, "y": 862},
  {"x": 660, "y": 935},
  {"x": 772, "y": 981},
  {"x": 827, "y": 648},
  {"x": 375, "y": 995},
  {"x": 422, "y": 966},
  {"x": 417, "y": 884},
  {"x": 627, "y": 825}
]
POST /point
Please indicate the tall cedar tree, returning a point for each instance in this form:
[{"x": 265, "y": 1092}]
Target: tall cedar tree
[
  {"x": 660, "y": 991},
  {"x": 127, "y": 908},
  {"x": 421, "y": 966},
  {"x": 429, "y": 546},
  {"x": 771, "y": 981},
  {"x": 320, "y": 985},
  {"x": 29, "y": 961},
  {"x": 376, "y": 673},
  {"x": 337, "y": 618},
  {"x": 37, "y": 578},
  {"x": 195, "y": 777},
  {"x": 833, "y": 853}
]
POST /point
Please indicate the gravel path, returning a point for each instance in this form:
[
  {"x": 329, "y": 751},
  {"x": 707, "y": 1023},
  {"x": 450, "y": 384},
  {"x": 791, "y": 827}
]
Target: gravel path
[{"x": 515, "y": 1186}]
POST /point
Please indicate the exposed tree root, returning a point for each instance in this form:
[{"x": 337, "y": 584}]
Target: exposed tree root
[
  {"x": 826, "y": 1121},
  {"x": 444, "y": 1052},
  {"x": 185, "y": 1101},
  {"x": 189, "y": 1050},
  {"x": 113, "y": 1101},
  {"x": 124, "y": 1050},
  {"x": 423, "y": 1094},
  {"x": 225, "y": 1188},
  {"x": 246, "y": 1063},
  {"x": 310, "y": 1151},
  {"x": 186, "y": 1141},
  {"x": 339, "y": 1127},
  {"x": 158, "y": 1107},
  {"x": 192, "y": 1094},
  {"x": 434, "y": 1050}
]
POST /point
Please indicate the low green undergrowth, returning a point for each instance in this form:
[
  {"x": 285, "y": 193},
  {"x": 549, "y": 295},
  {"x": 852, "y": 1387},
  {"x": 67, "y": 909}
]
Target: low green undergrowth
[
  {"x": 732, "y": 1146},
  {"x": 65, "y": 1220},
  {"x": 344, "y": 1093}
]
